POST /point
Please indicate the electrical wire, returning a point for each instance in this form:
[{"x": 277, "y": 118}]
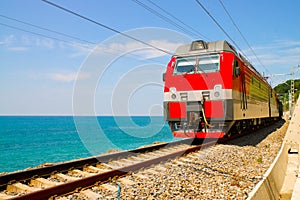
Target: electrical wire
[
  {"x": 244, "y": 38},
  {"x": 168, "y": 13},
  {"x": 86, "y": 46},
  {"x": 242, "y": 35},
  {"x": 219, "y": 25},
  {"x": 167, "y": 19},
  {"x": 171, "y": 15},
  {"x": 46, "y": 29},
  {"x": 45, "y": 36},
  {"x": 106, "y": 26}
]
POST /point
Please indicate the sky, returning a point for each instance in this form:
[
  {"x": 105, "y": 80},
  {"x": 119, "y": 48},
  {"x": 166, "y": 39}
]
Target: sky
[{"x": 55, "y": 63}]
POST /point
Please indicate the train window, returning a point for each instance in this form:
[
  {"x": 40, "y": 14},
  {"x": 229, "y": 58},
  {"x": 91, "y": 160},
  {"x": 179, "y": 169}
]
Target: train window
[
  {"x": 197, "y": 64},
  {"x": 236, "y": 68},
  {"x": 185, "y": 65}
]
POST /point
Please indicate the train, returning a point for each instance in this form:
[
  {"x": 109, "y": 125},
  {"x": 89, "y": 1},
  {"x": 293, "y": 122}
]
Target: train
[{"x": 212, "y": 91}]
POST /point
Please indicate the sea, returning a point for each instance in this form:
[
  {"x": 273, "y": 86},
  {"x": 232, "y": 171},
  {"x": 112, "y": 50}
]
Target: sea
[{"x": 29, "y": 141}]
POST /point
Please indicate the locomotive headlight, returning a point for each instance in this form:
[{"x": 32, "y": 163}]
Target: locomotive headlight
[
  {"x": 173, "y": 90},
  {"x": 217, "y": 91},
  {"x": 217, "y": 94},
  {"x": 198, "y": 45},
  {"x": 173, "y": 96}
]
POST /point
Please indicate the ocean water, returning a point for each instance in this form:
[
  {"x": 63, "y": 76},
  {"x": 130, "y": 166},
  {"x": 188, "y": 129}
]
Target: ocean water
[{"x": 28, "y": 141}]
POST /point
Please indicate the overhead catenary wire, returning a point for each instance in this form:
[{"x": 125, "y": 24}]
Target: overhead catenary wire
[
  {"x": 89, "y": 46},
  {"x": 42, "y": 35},
  {"x": 106, "y": 27},
  {"x": 242, "y": 35},
  {"x": 176, "y": 18},
  {"x": 47, "y": 29},
  {"x": 167, "y": 19},
  {"x": 244, "y": 38},
  {"x": 219, "y": 25}
]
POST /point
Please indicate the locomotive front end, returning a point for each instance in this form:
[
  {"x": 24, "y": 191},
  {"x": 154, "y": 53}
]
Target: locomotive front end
[{"x": 196, "y": 91}]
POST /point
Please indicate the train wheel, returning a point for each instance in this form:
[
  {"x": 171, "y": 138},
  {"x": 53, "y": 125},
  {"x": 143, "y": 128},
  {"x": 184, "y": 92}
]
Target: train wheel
[{"x": 238, "y": 128}]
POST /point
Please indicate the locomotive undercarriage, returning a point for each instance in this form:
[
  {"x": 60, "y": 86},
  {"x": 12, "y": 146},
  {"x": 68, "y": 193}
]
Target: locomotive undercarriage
[
  {"x": 250, "y": 124},
  {"x": 197, "y": 123}
]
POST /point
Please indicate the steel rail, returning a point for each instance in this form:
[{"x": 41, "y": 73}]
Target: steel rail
[
  {"x": 91, "y": 180},
  {"x": 69, "y": 187},
  {"x": 62, "y": 167}
]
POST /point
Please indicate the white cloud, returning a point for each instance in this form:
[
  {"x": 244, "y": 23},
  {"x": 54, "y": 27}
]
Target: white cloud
[
  {"x": 280, "y": 53},
  {"x": 80, "y": 48},
  {"x": 139, "y": 49},
  {"x": 8, "y": 40},
  {"x": 44, "y": 42},
  {"x": 18, "y": 49},
  {"x": 68, "y": 77},
  {"x": 24, "y": 42}
]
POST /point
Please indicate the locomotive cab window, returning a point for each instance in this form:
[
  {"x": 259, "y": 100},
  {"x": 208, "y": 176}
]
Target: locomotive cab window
[
  {"x": 236, "y": 68},
  {"x": 197, "y": 64}
]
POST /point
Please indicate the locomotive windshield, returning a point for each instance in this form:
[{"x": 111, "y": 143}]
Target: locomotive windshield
[{"x": 197, "y": 64}]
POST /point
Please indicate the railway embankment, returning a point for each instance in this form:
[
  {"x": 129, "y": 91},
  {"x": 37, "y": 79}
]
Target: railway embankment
[
  {"x": 227, "y": 170},
  {"x": 282, "y": 180}
]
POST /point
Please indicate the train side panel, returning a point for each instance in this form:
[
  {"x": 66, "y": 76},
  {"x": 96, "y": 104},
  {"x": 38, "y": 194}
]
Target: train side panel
[{"x": 252, "y": 96}]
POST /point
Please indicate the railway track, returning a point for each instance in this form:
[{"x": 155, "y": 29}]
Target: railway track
[
  {"x": 60, "y": 179},
  {"x": 49, "y": 181}
]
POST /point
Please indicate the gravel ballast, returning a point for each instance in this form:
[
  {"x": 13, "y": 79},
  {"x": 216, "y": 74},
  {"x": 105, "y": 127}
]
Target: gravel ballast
[{"x": 224, "y": 171}]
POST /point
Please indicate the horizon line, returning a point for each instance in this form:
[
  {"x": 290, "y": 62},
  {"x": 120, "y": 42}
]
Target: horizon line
[{"x": 70, "y": 115}]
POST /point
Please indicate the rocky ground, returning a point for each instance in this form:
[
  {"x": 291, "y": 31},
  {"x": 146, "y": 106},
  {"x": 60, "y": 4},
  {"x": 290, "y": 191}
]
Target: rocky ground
[{"x": 225, "y": 171}]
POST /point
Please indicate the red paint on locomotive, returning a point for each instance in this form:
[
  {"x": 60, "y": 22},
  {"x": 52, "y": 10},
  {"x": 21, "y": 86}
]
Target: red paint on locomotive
[{"x": 212, "y": 90}]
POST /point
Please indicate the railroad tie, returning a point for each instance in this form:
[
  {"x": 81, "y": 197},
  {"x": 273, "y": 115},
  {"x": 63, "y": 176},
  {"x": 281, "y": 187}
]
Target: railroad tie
[
  {"x": 126, "y": 161},
  {"x": 194, "y": 157},
  {"x": 184, "y": 159},
  {"x": 135, "y": 159},
  {"x": 144, "y": 156},
  {"x": 89, "y": 194},
  {"x": 93, "y": 169},
  {"x": 104, "y": 165},
  {"x": 77, "y": 172},
  {"x": 5, "y": 196},
  {"x": 42, "y": 183},
  {"x": 126, "y": 181},
  {"x": 63, "y": 177},
  {"x": 150, "y": 172},
  {"x": 177, "y": 162},
  {"x": 160, "y": 169},
  {"x": 109, "y": 187},
  {"x": 20, "y": 188},
  {"x": 140, "y": 176}
]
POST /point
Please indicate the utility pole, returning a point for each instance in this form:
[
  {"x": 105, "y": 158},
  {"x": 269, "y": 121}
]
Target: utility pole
[
  {"x": 289, "y": 94},
  {"x": 292, "y": 91}
]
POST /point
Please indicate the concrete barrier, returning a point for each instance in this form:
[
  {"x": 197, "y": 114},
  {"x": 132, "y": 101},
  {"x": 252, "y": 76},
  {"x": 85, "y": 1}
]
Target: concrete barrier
[
  {"x": 270, "y": 186},
  {"x": 280, "y": 181}
]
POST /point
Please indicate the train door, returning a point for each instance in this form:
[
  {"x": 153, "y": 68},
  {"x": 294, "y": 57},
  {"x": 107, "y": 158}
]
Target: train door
[
  {"x": 243, "y": 94},
  {"x": 240, "y": 71}
]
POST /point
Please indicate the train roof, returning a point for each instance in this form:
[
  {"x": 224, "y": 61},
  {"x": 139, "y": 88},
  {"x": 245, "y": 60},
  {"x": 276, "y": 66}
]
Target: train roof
[{"x": 201, "y": 47}]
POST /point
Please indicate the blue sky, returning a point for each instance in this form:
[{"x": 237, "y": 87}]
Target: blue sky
[{"x": 40, "y": 72}]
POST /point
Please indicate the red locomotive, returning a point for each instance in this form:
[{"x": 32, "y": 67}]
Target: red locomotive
[{"x": 212, "y": 91}]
